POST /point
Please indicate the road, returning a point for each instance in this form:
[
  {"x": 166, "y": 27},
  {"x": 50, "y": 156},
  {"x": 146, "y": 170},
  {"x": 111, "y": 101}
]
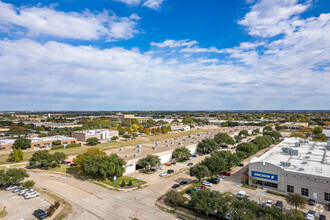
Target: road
[{"x": 91, "y": 201}]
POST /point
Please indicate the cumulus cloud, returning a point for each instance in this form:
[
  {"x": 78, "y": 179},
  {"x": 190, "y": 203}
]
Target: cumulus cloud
[
  {"x": 175, "y": 43},
  {"x": 154, "y": 4},
  {"x": 83, "y": 26}
]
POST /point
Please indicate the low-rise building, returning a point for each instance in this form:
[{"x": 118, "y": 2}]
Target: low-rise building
[
  {"x": 126, "y": 117},
  {"x": 99, "y": 134},
  {"x": 39, "y": 142},
  {"x": 295, "y": 165},
  {"x": 295, "y": 125}
]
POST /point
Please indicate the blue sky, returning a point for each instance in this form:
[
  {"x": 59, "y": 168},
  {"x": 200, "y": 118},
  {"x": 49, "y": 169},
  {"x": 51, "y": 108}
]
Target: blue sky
[{"x": 164, "y": 55}]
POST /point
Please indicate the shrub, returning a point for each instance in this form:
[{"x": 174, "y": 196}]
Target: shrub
[
  {"x": 56, "y": 147},
  {"x": 123, "y": 184},
  {"x": 130, "y": 183},
  {"x": 28, "y": 184},
  {"x": 73, "y": 145}
]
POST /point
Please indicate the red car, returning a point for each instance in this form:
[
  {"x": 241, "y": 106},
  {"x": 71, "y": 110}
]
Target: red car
[
  {"x": 225, "y": 173},
  {"x": 202, "y": 187},
  {"x": 67, "y": 162},
  {"x": 199, "y": 154},
  {"x": 167, "y": 164}
]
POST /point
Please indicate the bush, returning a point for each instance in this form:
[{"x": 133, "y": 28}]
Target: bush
[
  {"x": 123, "y": 184},
  {"x": 130, "y": 183},
  {"x": 73, "y": 145},
  {"x": 56, "y": 147},
  {"x": 28, "y": 184}
]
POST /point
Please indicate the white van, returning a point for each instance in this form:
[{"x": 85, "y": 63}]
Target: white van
[{"x": 241, "y": 194}]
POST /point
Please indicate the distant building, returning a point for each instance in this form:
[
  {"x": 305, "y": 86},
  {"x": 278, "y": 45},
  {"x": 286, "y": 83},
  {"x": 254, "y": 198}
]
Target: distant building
[
  {"x": 125, "y": 117},
  {"x": 295, "y": 165},
  {"x": 39, "y": 142},
  {"x": 327, "y": 133},
  {"x": 295, "y": 125},
  {"x": 99, "y": 134},
  {"x": 3, "y": 130}
]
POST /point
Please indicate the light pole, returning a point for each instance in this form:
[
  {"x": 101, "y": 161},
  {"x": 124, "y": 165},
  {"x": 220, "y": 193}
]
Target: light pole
[{"x": 46, "y": 193}]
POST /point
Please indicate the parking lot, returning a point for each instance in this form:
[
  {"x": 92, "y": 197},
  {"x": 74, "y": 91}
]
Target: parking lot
[{"x": 20, "y": 208}]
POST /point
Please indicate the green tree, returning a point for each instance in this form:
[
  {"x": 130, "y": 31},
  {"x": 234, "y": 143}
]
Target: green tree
[
  {"x": 45, "y": 159},
  {"x": 13, "y": 156},
  {"x": 174, "y": 198},
  {"x": 28, "y": 184},
  {"x": 181, "y": 153},
  {"x": 274, "y": 134},
  {"x": 298, "y": 134},
  {"x": 153, "y": 131},
  {"x": 296, "y": 200},
  {"x": 199, "y": 171},
  {"x": 123, "y": 184},
  {"x": 20, "y": 154},
  {"x": 169, "y": 128},
  {"x": 238, "y": 138},
  {"x": 126, "y": 136},
  {"x": 130, "y": 183},
  {"x": 256, "y": 131},
  {"x": 268, "y": 128},
  {"x": 207, "y": 146},
  {"x": 317, "y": 130},
  {"x": 215, "y": 163},
  {"x": 12, "y": 176},
  {"x": 22, "y": 143},
  {"x": 149, "y": 161},
  {"x": 147, "y": 132},
  {"x": 42, "y": 135},
  {"x": 114, "y": 138},
  {"x": 320, "y": 137},
  {"x": 243, "y": 133},
  {"x": 164, "y": 129},
  {"x": 248, "y": 148},
  {"x": 92, "y": 141},
  {"x": 223, "y": 138},
  {"x": 79, "y": 160}
]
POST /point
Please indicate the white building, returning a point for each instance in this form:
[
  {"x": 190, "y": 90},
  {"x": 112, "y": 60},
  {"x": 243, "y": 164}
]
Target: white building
[
  {"x": 295, "y": 166},
  {"x": 99, "y": 134}
]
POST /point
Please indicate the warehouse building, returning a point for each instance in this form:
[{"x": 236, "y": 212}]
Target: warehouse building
[
  {"x": 39, "y": 142},
  {"x": 295, "y": 166},
  {"x": 101, "y": 134}
]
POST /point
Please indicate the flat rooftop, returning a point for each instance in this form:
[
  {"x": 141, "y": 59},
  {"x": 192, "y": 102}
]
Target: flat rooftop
[
  {"x": 300, "y": 156},
  {"x": 91, "y": 132},
  {"x": 36, "y": 139}
]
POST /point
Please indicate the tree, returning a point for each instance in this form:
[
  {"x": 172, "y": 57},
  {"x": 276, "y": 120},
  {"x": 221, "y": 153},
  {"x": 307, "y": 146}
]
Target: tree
[
  {"x": 268, "y": 128},
  {"x": 121, "y": 131},
  {"x": 13, "y": 156},
  {"x": 243, "y": 133},
  {"x": 22, "y": 143},
  {"x": 169, "y": 128},
  {"x": 174, "y": 198},
  {"x": 207, "y": 146},
  {"x": 57, "y": 142},
  {"x": 135, "y": 135},
  {"x": 114, "y": 138},
  {"x": 130, "y": 183},
  {"x": 296, "y": 200},
  {"x": 20, "y": 154},
  {"x": 42, "y": 135},
  {"x": 92, "y": 141},
  {"x": 274, "y": 134},
  {"x": 126, "y": 136},
  {"x": 164, "y": 129},
  {"x": 223, "y": 138},
  {"x": 123, "y": 184},
  {"x": 317, "y": 130},
  {"x": 79, "y": 160},
  {"x": 46, "y": 160},
  {"x": 103, "y": 166},
  {"x": 249, "y": 148},
  {"x": 153, "y": 131},
  {"x": 149, "y": 161},
  {"x": 147, "y": 132},
  {"x": 199, "y": 171},
  {"x": 297, "y": 134},
  {"x": 28, "y": 184},
  {"x": 320, "y": 137},
  {"x": 238, "y": 138},
  {"x": 256, "y": 131},
  {"x": 181, "y": 153},
  {"x": 215, "y": 163},
  {"x": 12, "y": 176}
]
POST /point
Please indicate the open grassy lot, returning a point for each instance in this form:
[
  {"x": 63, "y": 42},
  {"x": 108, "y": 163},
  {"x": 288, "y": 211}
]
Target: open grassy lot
[
  {"x": 105, "y": 146},
  {"x": 116, "y": 184}
]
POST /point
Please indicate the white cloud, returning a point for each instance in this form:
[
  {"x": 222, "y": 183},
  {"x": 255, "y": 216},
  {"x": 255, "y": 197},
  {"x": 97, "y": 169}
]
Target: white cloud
[
  {"x": 130, "y": 2},
  {"x": 84, "y": 26},
  {"x": 174, "y": 43},
  {"x": 197, "y": 49},
  {"x": 154, "y": 4},
  {"x": 270, "y": 18}
]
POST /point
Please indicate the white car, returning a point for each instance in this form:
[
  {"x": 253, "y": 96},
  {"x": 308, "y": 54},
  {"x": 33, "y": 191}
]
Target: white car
[
  {"x": 160, "y": 167},
  {"x": 163, "y": 174},
  {"x": 206, "y": 183},
  {"x": 31, "y": 191},
  {"x": 11, "y": 188},
  {"x": 269, "y": 203},
  {"x": 31, "y": 195}
]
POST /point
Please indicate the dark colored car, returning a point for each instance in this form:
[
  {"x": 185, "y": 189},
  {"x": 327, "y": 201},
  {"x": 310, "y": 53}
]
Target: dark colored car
[
  {"x": 170, "y": 171},
  {"x": 190, "y": 164},
  {"x": 188, "y": 191},
  {"x": 153, "y": 170},
  {"x": 214, "y": 180},
  {"x": 72, "y": 165},
  {"x": 183, "y": 182},
  {"x": 311, "y": 202},
  {"x": 175, "y": 186},
  {"x": 194, "y": 155},
  {"x": 279, "y": 204},
  {"x": 39, "y": 214},
  {"x": 173, "y": 163},
  {"x": 322, "y": 217},
  {"x": 241, "y": 165}
]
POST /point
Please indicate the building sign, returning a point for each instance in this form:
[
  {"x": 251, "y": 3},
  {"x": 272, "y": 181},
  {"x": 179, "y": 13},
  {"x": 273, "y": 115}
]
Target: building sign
[{"x": 267, "y": 176}]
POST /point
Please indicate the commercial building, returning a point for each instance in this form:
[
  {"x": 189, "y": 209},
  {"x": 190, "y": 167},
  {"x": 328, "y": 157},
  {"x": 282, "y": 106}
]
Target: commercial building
[
  {"x": 53, "y": 125},
  {"x": 99, "y": 134},
  {"x": 180, "y": 128},
  {"x": 295, "y": 125},
  {"x": 126, "y": 117},
  {"x": 39, "y": 142},
  {"x": 295, "y": 166},
  {"x": 3, "y": 130}
]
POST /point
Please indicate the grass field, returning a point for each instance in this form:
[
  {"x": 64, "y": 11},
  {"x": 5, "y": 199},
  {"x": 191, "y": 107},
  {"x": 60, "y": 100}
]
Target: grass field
[{"x": 105, "y": 146}]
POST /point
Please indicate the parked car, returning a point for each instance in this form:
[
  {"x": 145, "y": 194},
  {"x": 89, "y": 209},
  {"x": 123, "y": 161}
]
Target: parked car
[
  {"x": 31, "y": 195},
  {"x": 241, "y": 194},
  {"x": 199, "y": 154},
  {"x": 195, "y": 155},
  {"x": 67, "y": 162},
  {"x": 214, "y": 180},
  {"x": 311, "y": 202},
  {"x": 72, "y": 165},
  {"x": 175, "y": 186},
  {"x": 241, "y": 165},
  {"x": 197, "y": 188},
  {"x": 269, "y": 203},
  {"x": 310, "y": 215},
  {"x": 23, "y": 191},
  {"x": 163, "y": 174},
  {"x": 17, "y": 189},
  {"x": 279, "y": 204},
  {"x": 322, "y": 217},
  {"x": 183, "y": 182},
  {"x": 153, "y": 170},
  {"x": 11, "y": 188},
  {"x": 202, "y": 187},
  {"x": 206, "y": 183},
  {"x": 173, "y": 163},
  {"x": 168, "y": 164},
  {"x": 161, "y": 167},
  {"x": 225, "y": 173},
  {"x": 170, "y": 171},
  {"x": 30, "y": 191},
  {"x": 39, "y": 214},
  {"x": 190, "y": 164},
  {"x": 188, "y": 191}
]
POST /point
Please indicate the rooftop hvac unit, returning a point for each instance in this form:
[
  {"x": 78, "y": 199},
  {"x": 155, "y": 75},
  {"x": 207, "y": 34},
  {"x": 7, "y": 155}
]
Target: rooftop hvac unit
[
  {"x": 285, "y": 164},
  {"x": 297, "y": 144},
  {"x": 135, "y": 155},
  {"x": 121, "y": 149},
  {"x": 139, "y": 146},
  {"x": 126, "y": 155},
  {"x": 118, "y": 155},
  {"x": 153, "y": 148},
  {"x": 307, "y": 156},
  {"x": 286, "y": 149},
  {"x": 134, "y": 148},
  {"x": 167, "y": 145},
  {"x": 301, "y": 169},
  {"x": 139, "y": 151},
  {"x": 294, "y": 152},
  {"x": 304, "y": 162},
  {"x": 328, "y": 145}
]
